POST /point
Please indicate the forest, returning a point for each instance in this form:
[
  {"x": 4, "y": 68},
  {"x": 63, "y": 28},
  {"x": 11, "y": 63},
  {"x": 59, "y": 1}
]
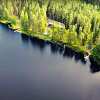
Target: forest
[{"x": 73, "y": 23}]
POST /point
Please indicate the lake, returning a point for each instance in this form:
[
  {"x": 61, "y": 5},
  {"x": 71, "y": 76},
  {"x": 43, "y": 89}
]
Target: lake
[{"x": 32, "y": 69}]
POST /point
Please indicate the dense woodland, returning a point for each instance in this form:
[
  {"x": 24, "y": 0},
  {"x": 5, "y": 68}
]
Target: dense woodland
[{"x": 80, "y": 21}]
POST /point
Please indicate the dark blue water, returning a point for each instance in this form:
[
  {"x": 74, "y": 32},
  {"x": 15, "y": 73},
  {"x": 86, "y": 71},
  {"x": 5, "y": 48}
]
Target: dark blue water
[{"x": 31, "y": 69}]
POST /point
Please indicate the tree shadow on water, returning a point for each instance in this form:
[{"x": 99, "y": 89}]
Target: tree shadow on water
[
  {"x": 55, "y": 48},
  {"x": 25, "y": 39},
  {"x": 5, "y": 27},
  {"x": 41, "y": 44},
  {"x": 94, "y": 67},
  {"x": 68, "y": 52},
  {"x": 35, "y": 42},
  {"x": 80, "y": 57},
  {"x": 38, "y": 43}
]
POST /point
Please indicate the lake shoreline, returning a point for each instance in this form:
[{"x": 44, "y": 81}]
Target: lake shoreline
[{"x": 79, "y": 52}]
